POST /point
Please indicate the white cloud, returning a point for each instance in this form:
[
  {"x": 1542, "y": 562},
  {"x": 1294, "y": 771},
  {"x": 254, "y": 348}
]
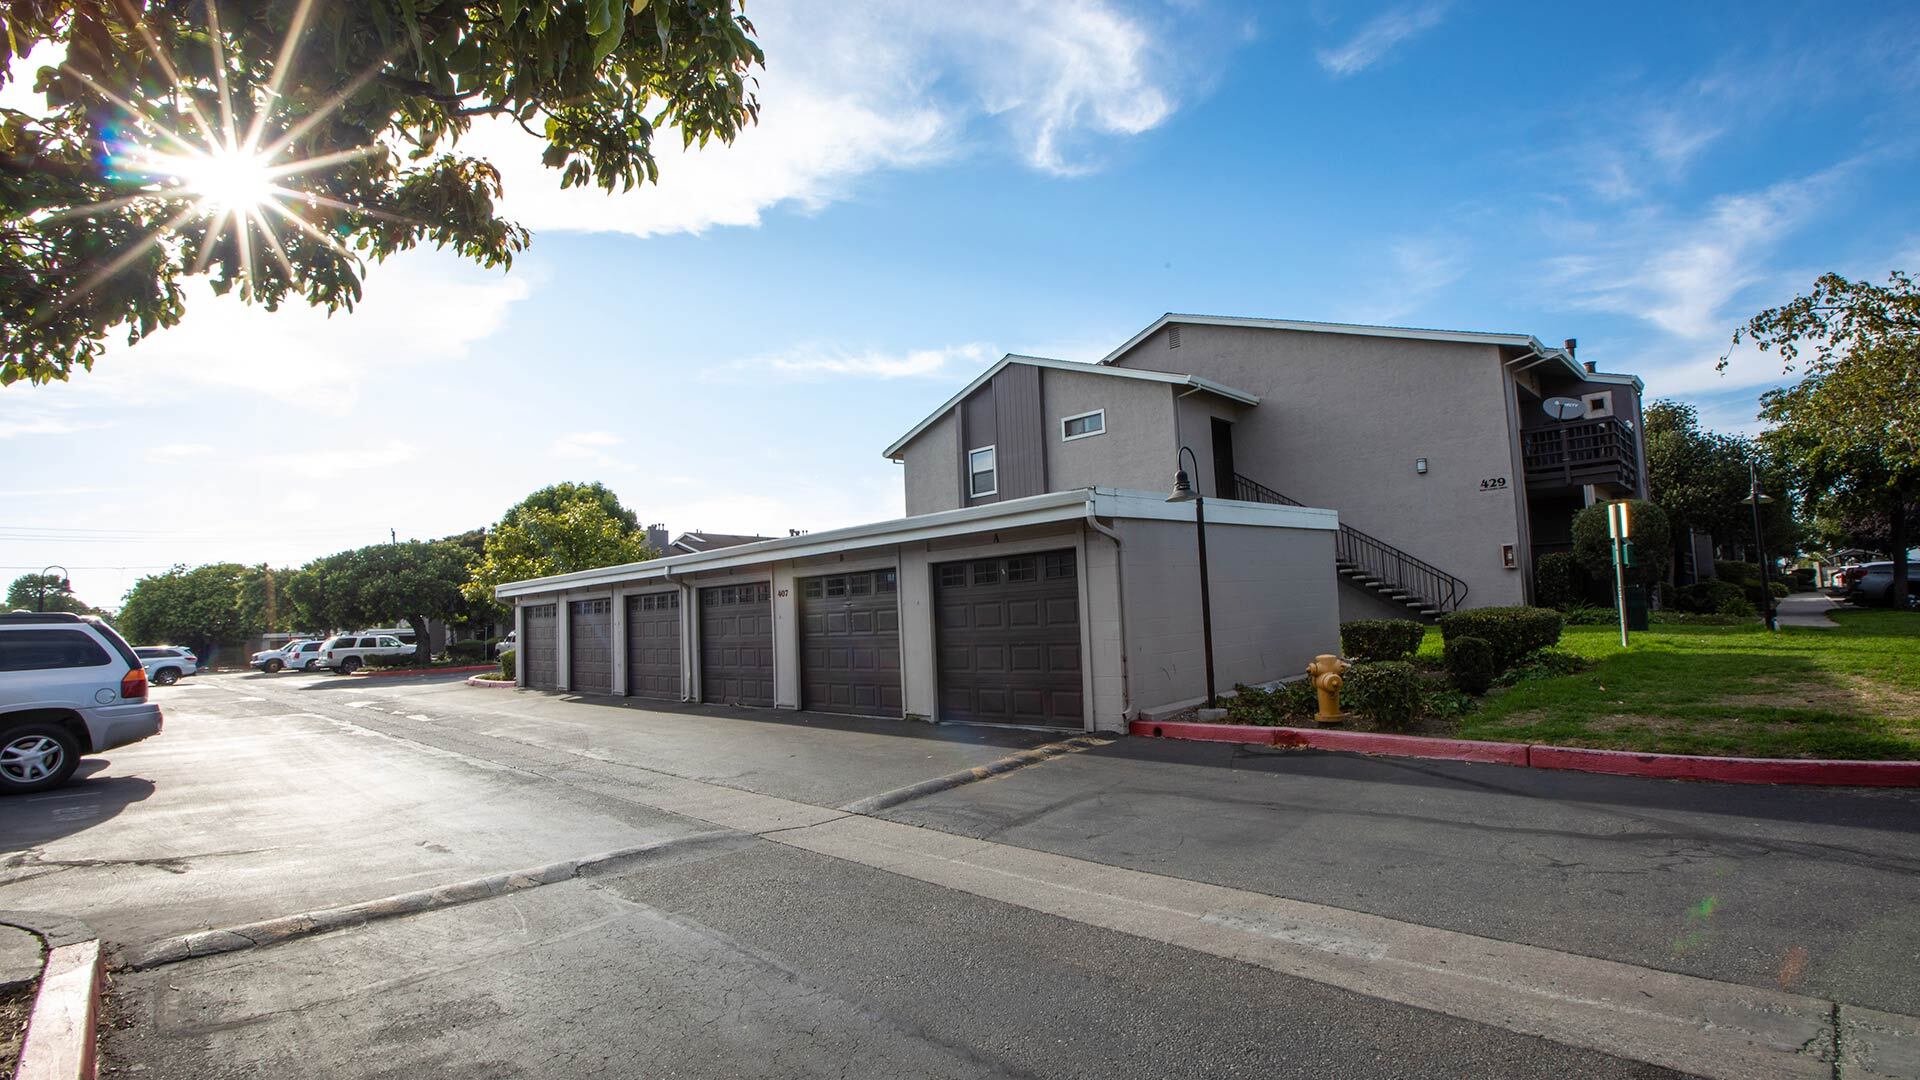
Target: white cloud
[
  {"x": 817, "y": 361},
  {"x": 852, "y": 90},
  {"x": 1379, "y": 37},
  {"x": 40, "y": 425},
  {"x": 174, "y": 453},
  {"x": 588, "y": 446}
]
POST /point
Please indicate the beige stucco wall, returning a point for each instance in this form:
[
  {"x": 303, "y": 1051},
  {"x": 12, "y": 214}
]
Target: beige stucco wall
[
  {"x": 1342, "y": 418},
  {"x": 1274, "y": 606},
  {"x": 932, "y": 467},
  {"x": 1135, "y": 453}
]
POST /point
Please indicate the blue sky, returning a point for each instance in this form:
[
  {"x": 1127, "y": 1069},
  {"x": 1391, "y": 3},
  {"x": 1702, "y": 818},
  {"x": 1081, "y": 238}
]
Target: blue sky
[{"x": 931, "y": 188}]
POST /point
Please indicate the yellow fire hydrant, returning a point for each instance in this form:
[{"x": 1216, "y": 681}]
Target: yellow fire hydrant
[{"x": 1325, "y": 671}]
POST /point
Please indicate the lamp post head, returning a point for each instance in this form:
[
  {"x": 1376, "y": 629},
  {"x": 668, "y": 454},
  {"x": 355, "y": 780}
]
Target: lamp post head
[{"x": 1182, "y": 488}]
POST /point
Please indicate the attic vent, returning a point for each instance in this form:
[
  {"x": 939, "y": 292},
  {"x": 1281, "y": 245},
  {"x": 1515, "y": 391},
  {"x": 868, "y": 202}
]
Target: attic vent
[{"x": 1173, "y": 337}]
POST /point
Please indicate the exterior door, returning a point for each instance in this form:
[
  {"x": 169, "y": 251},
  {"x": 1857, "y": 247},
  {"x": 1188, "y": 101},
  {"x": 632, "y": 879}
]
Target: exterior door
[
  {"x": 540, "y": 652},
  {"x": 850, "y": 643},
  {"x": 1223, "y": 471},
  {"x": 653, "y": 645},
  {"x": 1009, "y": 640},
  {"x": 590, "y": 646},
  {"x": 736, "y": 645}
]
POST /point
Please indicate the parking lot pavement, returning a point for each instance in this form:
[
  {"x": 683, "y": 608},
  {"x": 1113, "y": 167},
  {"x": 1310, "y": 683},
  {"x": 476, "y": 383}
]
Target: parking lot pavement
[{"x": 1808, "y": 889}]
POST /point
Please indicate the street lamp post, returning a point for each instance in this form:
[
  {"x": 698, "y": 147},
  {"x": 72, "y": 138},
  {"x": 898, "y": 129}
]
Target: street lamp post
[
  {"x": 1756, "y": 497},
  {"x": 66, "y": 584},
  {"x": 1183, "y": 491}
]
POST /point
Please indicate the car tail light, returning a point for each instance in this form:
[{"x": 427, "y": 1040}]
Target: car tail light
[{"x": 133, "y": 685}]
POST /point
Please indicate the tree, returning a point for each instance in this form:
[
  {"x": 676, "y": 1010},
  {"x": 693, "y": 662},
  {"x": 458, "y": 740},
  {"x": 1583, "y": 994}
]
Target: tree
[
  {"x": 276, "y": 144},
  {"x": 1652, "y": 542},
  {"x": 546, "y": 534},
  {"x": 200, "y": 608},
  {"x": 28, "y": 590},
  {"x": 1850, "y": 428},
  {"x": 1698, "y": 477},
  {"x": 414, "y": 581}
]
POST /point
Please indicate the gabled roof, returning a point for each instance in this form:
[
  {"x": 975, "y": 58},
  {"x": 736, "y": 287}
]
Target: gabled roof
[
  {"x": 1464, "y": 337},
  {"x": 1169, "y": 378},
  {"x": 706, "y": 541}
]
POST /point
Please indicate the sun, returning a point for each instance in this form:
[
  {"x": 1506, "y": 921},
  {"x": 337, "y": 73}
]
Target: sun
[{"x": 226, "y": 180}]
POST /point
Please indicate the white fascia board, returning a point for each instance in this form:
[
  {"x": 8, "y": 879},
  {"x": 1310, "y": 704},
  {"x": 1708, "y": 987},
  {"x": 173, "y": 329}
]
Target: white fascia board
[
  {"x": 1610, "y": 377},
  {"x": 1051, "y": 508},
  {"x": 1466, "y": 337},
  {"x": 1011, "y": 514},
  {"x": 1170, "y": 378}
]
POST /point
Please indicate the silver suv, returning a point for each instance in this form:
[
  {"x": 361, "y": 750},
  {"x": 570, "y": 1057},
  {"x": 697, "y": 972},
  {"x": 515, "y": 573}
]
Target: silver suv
[
  {"x": 69, "y": 685},
  {"x": 166, "y": 664},
  {"x": 347, "y": 654}
]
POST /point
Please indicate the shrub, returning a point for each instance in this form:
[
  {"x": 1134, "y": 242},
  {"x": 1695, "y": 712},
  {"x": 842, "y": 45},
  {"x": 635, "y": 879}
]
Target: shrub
[
  {"x": 1446, "y": 703},
  {"x": 1707, "y": 596},
  {"x": 1274, "y": 707},
  {"x": 1801, "y": 578},
  {"x": 1380, "y": 639},
  {"x": 1587, "y": 615},
  {"x": 1470, "y": 664},
  {"x": 1389, "y": 691},
  {"x": 1512, "y": 631},
  {"x": 1652, "y": 543},
  {"x": 403, "y": 660},
  {"x": 1558, "y": 580},
  {"x": 1778, "y": 589},
  {"x": 1740, "y": 573},
  {"x": 469, "y": 651},
  {"x": 1545, "y": 664},
  {"x": 507, "y": 664},
  {"x": 1737, "y": 605}
]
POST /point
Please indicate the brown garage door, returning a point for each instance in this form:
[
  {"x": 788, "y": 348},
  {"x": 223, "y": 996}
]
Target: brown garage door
[
  {"x": 850, "y": 643},
  {"x": 653, "y": 645},
  {"x": 539, "y": 651},
  {"x": 590, "y": 646},
  {"x": 1009, "y": 640},
  {"x": 736, "y": 645}
]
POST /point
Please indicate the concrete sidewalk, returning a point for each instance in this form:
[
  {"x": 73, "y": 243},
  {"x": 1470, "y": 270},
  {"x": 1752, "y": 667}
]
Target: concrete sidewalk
[{"x": 1806, "y": 609}]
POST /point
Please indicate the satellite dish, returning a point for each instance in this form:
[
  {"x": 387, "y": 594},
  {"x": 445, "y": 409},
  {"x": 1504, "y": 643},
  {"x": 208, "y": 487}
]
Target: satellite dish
[{"x": 1564, "y": 408}]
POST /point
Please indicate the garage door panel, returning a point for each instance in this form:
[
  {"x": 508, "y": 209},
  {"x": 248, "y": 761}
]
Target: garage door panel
[
  {"x": 736, "y": 644},
  {"x": 539, "y": 652},
  {"x": 1009, "y": 640},
  {"x": 653, "y": 645},
  {"x": 590, "y": 646},
  {"x": 850, "y": 643}
]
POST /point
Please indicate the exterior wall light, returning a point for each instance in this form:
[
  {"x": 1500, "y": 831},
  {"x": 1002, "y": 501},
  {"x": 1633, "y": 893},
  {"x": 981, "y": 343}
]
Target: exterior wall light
[{"x": 1420, "y": 465}]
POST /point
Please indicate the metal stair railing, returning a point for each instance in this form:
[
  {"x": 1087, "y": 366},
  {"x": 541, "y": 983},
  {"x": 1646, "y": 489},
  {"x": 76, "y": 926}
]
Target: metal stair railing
[{"x": 1374, "y": 558}]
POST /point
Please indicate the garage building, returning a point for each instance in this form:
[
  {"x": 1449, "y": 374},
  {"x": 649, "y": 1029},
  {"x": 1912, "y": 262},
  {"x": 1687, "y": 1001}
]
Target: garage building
[{"x": 1076, "y": 609}]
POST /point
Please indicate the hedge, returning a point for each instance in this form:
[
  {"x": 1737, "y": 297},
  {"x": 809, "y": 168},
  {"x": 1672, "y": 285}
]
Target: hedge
[
  {"x": 1470, "y": 664},
  {"x": 1513, "y": 632},
  {"x": 508, "y": 660},
  {"x": 1380, "y": 639},
  {"x": 1559, "y": 580},
  {"x": 468, "y": 650},
  {"x": 1389, "y": 691}
]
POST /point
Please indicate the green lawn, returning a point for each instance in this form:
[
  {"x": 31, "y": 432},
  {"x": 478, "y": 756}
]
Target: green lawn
[{"x": 1851, "y": 692}]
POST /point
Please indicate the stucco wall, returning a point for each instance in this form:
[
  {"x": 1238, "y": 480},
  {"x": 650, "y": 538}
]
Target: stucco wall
[
  {"x": 1275, "y": 606},
  {"x": 1135, "y": 453},
  {"x": 932, "y": 466},
  {"x": 1342, "y": 418}
]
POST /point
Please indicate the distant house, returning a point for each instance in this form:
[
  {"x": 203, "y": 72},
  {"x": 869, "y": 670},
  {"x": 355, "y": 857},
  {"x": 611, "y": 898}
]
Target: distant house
[{"x": 692, "y": 543}]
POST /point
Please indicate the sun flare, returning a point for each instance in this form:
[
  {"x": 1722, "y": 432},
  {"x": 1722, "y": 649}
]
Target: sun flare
[{"x": 226, "y": 180}]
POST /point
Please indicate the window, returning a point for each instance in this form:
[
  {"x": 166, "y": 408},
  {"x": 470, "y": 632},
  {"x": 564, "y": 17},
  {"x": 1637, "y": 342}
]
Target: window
[
  {"x": 389, "y": 643},
  {"x": 811, "y": 590},
  {"x": 148, "y": 653},
  {"x": 837, "y": 586},
  {"x": 860, "y": 585},
  {"x": 887, "y": 581},
  {"x": 983, "y": 476},
  {"x": 1083, "y": 425},
  {"x": 953, "y": 576},
  {"x": 986, "y": 572},
  {"x": 45, "y": 650},
  {"x": 1023, "y": 568},
  {"x": 1059, "y": 565},
  {"x": 369, "y": 643}
]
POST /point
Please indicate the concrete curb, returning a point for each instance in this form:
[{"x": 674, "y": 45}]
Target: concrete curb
[
  {"x": 873, "y": 804},
  {"x": 306, "y": 924},
  {"x": 1726, "y": 770},
  {"x": 492, "y": 684},
  {"x": 62, "y": 1028},
  {"x": 388, "y": 673}
]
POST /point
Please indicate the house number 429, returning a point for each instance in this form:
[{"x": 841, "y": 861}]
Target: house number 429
[{"x": 1493, "y": 483}]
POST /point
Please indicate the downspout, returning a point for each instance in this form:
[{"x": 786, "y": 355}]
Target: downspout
[{"x": 1120, "y": 576}]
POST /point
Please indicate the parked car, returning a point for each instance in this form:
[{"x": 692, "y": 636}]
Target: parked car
[
  {"x": 298, "y": 655},
  {"x": 167, "y": 664},
  {"x": 506, "y": 644},
  {"x": 348, "y": 654},
  {"x": 69, "y": 686},
  {"x": 1874, "y": 585}
]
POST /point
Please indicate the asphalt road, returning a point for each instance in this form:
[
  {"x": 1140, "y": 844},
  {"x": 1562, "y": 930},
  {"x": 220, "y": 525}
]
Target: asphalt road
[{"x": 269, "y": 796}]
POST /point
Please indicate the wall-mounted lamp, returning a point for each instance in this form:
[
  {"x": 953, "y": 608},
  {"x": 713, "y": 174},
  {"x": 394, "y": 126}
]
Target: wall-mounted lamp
[{"x": 1420, "y": 465}]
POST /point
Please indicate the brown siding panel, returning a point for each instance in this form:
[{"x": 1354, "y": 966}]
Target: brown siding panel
[
  {"x": 978, "y": 428},
  {"x": 1020, "y": 425}
]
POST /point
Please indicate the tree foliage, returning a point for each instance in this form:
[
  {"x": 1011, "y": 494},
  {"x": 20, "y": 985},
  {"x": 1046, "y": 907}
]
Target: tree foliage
[
  {"x": 203, "y": 607},
  {"x": 1652, "y": 537},
  {"x": 413, "y": 581},
  {"x": 1849, "y": 430},
  {"x": 376, "y": 94},
  {"x": 1699, "y": 477},
  {"x": 556, "y": 531},
  {"x": 28, "y": 590}
]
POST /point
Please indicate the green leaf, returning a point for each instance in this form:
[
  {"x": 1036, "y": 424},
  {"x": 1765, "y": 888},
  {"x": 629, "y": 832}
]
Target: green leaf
[{"x": 604, "y": 45}]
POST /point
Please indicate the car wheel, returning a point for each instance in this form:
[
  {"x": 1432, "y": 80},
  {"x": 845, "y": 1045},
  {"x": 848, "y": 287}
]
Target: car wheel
[
  {"x": 350, "y": 665},
  {"x": 166, "y": 676},
  {"x": 274, "y": 666},
  {"x": 36, "y": 757},
  {"x": 313, "y": 665}
]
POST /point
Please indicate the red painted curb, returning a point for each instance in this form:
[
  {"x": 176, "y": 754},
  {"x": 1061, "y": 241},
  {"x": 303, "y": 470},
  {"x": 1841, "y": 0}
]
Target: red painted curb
[
  {"x": 61, "y": 1030},
  {"x": 389, "y": 672},
  {"x": 1573, "y": 759}
]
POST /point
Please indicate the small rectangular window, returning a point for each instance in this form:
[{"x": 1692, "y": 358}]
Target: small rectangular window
[
  {"x": 953, "y": 576},
  {"x": 1083, "y": 425},
  {"x": 986, "y": 572},
  {"x": 1024, "y": 568},
  {"x": 860, "y": 585},
  {"x": 887, "y": 581},
  {"x": 837, "y": 586},
  {"x": 983, "y": 474},
  {"x": 811, "y": 590},
  {"x": 1059, "y": 565},
  {"x": 46, "y": 650}
]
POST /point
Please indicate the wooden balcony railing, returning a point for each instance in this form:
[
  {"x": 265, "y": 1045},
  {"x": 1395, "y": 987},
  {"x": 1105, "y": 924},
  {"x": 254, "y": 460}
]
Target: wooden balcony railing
[{"x": 1598, "y": 451}]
